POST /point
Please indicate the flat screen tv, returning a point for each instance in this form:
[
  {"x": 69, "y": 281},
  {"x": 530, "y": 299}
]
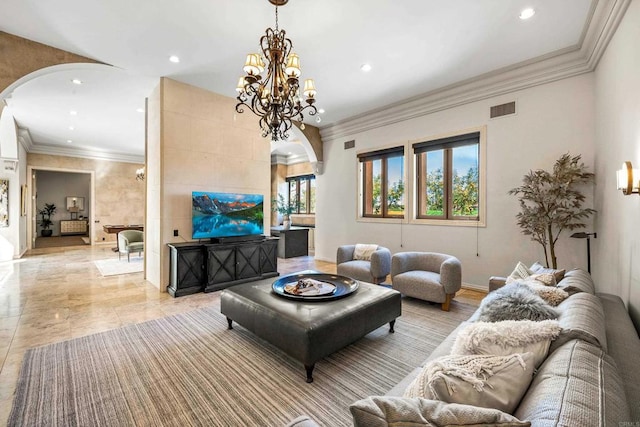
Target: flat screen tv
[{"x": 226, "y": 215}]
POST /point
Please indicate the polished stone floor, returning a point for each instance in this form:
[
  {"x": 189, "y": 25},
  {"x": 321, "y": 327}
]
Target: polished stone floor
[{"x": 56, "y": 294}]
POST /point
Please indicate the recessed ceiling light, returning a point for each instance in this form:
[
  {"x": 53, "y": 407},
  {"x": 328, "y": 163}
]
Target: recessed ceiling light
[
  {"x": 365, "y": 67},
  {"x": 76, "y": 81},
  {"x": 527, "y": 13},
  {"x": 140, "y": 110},
  {"x": 69, "y": 141},
  {"x": 73, "y": 112},
  {"x": 321, "y": 111},
  {"x": 174, "y": 59},
  {"x": 289, "y": 153},
  {"x": 71, "y": 128}
]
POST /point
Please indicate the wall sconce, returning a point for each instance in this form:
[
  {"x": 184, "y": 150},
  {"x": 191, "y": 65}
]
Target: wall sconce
[
  {"x": 628, "y": 179},
  {"x": 140, "y": 174}
]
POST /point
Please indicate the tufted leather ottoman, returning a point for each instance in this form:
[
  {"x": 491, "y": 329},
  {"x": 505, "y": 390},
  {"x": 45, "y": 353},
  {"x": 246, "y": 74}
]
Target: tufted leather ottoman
[{"x": 309, "y": 331}]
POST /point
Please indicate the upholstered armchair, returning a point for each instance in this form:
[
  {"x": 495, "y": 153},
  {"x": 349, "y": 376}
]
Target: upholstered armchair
[
  {"x": 130, "y": 241},
  {"x": 374, "y": 270},
  {"x": 427, "y": 275}
]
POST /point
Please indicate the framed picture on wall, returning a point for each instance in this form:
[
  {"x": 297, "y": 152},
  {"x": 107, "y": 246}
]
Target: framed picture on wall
[
  {"x": 75, "y": 204},
  {"x": 4, "y": 202}
]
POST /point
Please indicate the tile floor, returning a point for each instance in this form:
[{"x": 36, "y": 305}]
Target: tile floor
[{"x": 56, "y": 294}]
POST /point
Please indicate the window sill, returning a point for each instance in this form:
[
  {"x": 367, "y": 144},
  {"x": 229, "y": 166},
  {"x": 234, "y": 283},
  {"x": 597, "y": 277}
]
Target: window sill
[{"x": 449, "y": 222}]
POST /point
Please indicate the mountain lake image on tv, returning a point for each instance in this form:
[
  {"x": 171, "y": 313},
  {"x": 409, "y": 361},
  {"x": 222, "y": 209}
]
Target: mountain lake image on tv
[{"x": 219, "y": 215}]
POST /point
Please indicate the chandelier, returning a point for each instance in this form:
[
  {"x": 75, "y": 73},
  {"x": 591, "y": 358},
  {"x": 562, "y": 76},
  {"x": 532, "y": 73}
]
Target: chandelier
[{"x": 275, "y": 98}]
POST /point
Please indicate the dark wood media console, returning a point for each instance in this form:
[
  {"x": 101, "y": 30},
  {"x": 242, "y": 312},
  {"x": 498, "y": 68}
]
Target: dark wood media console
[{"x": 197, "y": 267}]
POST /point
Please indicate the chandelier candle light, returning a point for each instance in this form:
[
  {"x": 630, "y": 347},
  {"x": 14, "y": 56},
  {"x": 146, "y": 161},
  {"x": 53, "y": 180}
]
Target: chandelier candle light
[{"x": 276, "y": 97}]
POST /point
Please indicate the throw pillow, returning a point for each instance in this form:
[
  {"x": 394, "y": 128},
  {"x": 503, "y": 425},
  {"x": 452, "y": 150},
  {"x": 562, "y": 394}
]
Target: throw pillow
[
  {"x": 364, "y": 251},
  {"x": 550, "y": 294},
  {"x": 384, "y": 411},
  {"x": 536, "y": 267},
  {"x": 515, "y": 301},
  {"x": 507, "y": 337},
  {"x": 559, "y": 274},
  {"x": 520, "y": 272},
  {"x": 481, "y": 380},
  {"x": 547, "y": 279}
]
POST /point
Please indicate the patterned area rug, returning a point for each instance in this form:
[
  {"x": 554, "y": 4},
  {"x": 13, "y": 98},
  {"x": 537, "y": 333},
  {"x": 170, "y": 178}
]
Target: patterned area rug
[
  {"x": 189, "y": 369},
  {"x": 115, "y": 266}
]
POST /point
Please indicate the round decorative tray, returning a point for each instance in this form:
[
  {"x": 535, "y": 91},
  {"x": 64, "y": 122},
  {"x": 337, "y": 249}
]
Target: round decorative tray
[{"x": 343, "y": 286}]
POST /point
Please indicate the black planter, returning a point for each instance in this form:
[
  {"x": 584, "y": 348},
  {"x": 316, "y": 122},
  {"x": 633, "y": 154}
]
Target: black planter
[{"x": 46, "y": 233}]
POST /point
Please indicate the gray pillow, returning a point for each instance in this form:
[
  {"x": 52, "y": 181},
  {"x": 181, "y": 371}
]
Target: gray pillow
[
  {"x": 515, "y": 301},
  {"x": 383, "y": 411}
]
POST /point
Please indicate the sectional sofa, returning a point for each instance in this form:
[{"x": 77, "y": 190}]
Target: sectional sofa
[{"x": 590, "y": 375}]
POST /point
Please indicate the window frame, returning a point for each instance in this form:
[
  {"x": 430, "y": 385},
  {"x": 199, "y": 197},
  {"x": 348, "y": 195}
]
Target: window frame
[
  {"x": 383, "y": 155},
  {"x": 298, "y": 179},
  {"x": 438, "y": 142}
]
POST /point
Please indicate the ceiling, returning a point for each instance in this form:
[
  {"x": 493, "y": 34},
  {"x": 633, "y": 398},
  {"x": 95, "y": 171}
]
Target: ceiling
[{"x": 413, "y": 46}]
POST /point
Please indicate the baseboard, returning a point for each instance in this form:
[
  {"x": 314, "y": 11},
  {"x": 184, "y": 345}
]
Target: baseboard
[{"x": 474, "y": 287}]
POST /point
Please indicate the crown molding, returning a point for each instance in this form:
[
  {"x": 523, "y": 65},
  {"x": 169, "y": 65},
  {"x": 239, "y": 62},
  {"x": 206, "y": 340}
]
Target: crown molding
[
  {"x": 582, "y": 58},
  {"x": 54, "y": 150},
  {"x": 24, "y": 137}
]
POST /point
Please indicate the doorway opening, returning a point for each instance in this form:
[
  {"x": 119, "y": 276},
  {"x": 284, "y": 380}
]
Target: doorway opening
[{"x": 62, "y": 208}]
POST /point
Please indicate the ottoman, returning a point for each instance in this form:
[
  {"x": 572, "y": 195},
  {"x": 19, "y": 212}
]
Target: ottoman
[{"x": 309, "y": 331}]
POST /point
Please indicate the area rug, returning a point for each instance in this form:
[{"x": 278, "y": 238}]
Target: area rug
[
  {"x": 189, "y": 369},
  {"x": 114, "y": 266}
]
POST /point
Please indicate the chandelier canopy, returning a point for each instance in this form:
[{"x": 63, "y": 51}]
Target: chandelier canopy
[{"x": 275, "y": 98}]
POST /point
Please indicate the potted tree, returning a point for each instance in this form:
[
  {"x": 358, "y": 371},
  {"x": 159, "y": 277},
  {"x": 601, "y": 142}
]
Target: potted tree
[
  {"x": 46, "y": 212},
  {"x": 281, "y": 206},
  {"x": 552, "y": 201}
]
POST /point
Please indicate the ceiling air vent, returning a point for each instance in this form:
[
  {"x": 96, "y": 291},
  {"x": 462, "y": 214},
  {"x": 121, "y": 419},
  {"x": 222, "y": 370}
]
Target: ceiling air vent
[
  {"x": 503, "y": 109},
  {"x": 349, "y": 144}
]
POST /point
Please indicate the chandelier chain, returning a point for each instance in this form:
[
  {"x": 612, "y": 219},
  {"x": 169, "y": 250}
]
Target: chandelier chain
[{"x": 276, "y": 18}]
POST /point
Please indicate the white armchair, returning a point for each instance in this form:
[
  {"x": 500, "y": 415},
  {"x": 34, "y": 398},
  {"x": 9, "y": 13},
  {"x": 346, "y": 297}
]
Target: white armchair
[{"x": 130, "y": 241}]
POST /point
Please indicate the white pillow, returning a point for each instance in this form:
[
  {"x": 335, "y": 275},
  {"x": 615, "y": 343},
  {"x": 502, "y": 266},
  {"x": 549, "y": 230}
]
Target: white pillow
[
  {"x": 364, "y": 251},
  {"x": 507, "y": 337},
  {"x": 521, "y": 272},
  {"x": 488, "y": 381}
]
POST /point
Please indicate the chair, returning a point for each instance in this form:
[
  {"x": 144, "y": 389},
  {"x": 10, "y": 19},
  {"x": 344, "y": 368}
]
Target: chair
[
  {"x": 372, "y": 271},
  {"x": 427, "y": 275},
  {"x": 130, "y": 241}
]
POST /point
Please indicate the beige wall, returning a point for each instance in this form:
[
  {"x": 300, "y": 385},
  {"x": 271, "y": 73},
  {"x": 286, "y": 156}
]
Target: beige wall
[
  {"x": 21, "y": 57},
  {"x": 298, "y": 169},
  {"x": 119, "y": 198},
  {"x": 204, "y": 146}
]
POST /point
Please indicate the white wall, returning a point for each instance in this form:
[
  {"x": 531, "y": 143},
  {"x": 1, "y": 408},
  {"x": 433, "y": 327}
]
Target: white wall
[
  {"x": 617, "y": 89},
  {"x": 10, "y": 244},
  {"x": 551, "y": 119}
]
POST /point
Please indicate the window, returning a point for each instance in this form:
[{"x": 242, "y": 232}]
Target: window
[
  {"x": 383, "y": 192},
  {"x": 302, "y": 191},
  {"x": 448, "y": 178}
]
